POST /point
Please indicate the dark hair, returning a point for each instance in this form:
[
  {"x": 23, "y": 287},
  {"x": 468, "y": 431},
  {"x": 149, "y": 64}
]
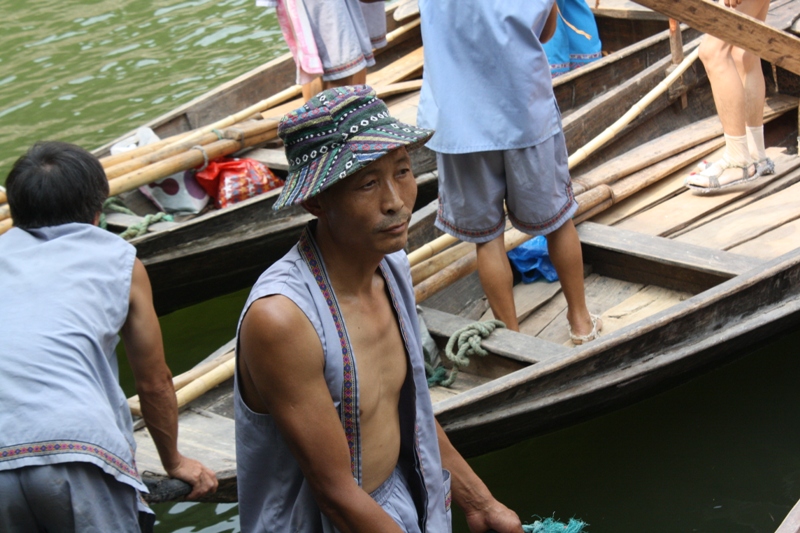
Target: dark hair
[{"x": 55, "y": 183}]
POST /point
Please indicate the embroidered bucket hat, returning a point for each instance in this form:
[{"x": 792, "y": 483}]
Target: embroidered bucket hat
[{"x": 336, "y": 134}]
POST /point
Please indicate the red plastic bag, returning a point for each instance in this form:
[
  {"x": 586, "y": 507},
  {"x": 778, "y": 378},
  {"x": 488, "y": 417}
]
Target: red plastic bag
[{"x": 229, "y": 180}]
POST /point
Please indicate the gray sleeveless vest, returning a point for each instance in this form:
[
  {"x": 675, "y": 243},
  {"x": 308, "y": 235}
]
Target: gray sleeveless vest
[
  {"x": 273, "y": 494},
  {"x": 64, "y": 293}
]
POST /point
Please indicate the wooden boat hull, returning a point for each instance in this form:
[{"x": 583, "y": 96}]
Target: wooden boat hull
[{"x": 712, "y": 327}]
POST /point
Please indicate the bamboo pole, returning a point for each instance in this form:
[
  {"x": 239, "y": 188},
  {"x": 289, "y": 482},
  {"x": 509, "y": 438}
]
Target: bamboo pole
[
  {"x": 111, "y": 160},
  {"x": 184, "y": 161},
  {"x": 431, "y": 266},
  {"x": 462, "y": 268},
  {"x": 205, "y": 383},
  {"x": 241, "y": 131},
  {"x": 5, "y": 211},
  {"x": 3, "y": 197},
  {"x": 182, "y": 380},
  {"x": 430, "y": 249},
  {"x": 586, "y": 150},
  {"x": 5, "y": 225}
]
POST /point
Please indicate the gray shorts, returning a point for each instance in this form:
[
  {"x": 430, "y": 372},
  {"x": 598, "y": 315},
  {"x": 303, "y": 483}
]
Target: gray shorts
[
  {"x": 395, "y": 498},
  {"x": 66, "y": 498},
  {"x": 533, "y": 183}
]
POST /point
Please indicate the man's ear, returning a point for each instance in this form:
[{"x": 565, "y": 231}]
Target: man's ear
[{"x": 313, "y": 206}]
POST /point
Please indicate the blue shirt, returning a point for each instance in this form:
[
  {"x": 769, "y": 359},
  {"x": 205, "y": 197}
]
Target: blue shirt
[
  {"x": 64, "y": 295},
  {"x": 486, "y": 84}
]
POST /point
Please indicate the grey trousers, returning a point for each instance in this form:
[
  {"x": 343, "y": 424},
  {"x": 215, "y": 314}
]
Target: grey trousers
[{"x": 67, "y": 498}]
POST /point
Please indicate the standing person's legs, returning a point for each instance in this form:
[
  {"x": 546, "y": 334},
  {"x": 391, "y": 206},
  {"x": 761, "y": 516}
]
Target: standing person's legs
[
  {"x": 738, "y": 88},
  {"x": 471, "y": 192},
  {"x": 540, "y": 202}
]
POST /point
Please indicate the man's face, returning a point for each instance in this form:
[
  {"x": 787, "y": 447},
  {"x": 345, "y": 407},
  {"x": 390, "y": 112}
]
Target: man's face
[{"x": 370, "y": 210}]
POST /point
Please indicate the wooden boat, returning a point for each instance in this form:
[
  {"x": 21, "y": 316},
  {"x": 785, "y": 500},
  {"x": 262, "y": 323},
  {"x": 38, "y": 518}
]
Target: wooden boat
[
  {"x": 682, "y": 282},
  {"x": 225, "y": 250}
]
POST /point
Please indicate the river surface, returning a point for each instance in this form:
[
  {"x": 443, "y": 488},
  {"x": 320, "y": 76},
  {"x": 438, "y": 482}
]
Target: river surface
[{"x": 718, "y": 454}]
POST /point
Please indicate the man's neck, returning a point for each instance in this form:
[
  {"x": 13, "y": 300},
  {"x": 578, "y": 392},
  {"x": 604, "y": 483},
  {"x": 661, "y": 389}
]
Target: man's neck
[{"x": 352, "y": 272}]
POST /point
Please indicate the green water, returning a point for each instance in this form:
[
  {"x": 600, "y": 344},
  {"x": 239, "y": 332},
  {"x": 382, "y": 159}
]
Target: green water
[
  {"x": 88, "y": 71},
  {"x": 719, "y": 454}
]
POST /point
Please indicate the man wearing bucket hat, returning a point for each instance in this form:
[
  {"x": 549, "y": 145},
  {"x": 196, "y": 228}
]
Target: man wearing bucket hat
[{"x": 334, "y": 423}]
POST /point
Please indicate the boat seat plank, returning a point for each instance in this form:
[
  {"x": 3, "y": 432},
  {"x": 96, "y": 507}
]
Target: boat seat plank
[
  {"x": 202, "y": 434},
  {"x": 673, "y": 215},
  {"x": 632, "y": 247},
  {"x": 502, "y": 342},
  {"x": 652, "y": 195},
  {"x": 274, "y": 158},
  {"x": 772, "y": 244},
  {"x": 647, "y": 302},
  {"x": 122, "y": 221},
  {"x": 601, "y": 293},
  {"x": 528, "y": 297},
  {"x": 748, "y": 222}
]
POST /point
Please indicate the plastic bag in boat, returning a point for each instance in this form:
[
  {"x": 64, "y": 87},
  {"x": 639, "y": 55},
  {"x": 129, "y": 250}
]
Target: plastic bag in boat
[
  {"x": 532, "y": 260},
  {"x": 231, "y": 180},
  {"x": 177, "y": 193}
]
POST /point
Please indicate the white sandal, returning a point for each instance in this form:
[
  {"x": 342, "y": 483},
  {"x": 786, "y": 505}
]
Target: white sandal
[
  {"x": 713, "y": 172},
  {"x": 765, "y": 167},
  {"x": 597, "y": 326}
]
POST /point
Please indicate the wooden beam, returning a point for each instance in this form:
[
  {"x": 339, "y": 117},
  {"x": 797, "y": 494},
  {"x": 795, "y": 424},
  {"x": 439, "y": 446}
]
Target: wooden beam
[
  {"x": 503, "y": 342},
  {"x": 642, "y": 258},
  {"x": 776, "y": 46}
]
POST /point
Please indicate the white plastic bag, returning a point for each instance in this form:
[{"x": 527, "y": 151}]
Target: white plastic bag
[{"x": 178, "y": 193}]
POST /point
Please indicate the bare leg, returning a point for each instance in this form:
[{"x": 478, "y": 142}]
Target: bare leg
[
  {"x": 497, "y": 280},
  {"x": 729, "y": 96},
  {"x": 359, "y": 78},
  {"x": 564, "y": 247},
  {"x": 748, "y": 66},
  {"x": 312, "y": 88}
]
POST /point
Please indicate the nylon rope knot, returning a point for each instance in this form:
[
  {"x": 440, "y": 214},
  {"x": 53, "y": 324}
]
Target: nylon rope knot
[{"x": 467, "y": 341}]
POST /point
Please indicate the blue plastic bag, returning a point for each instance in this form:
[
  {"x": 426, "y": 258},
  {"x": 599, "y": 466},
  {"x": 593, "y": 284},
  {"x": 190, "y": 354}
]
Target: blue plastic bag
[{"x": 532, "y": 260}]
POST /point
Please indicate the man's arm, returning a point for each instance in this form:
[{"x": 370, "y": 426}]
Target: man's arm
[
  {"x": 483, "y": 512},
  {"x": 143, "y": 344},
  {"x": 281, "y": 364},
  {"x": 550, "y": 25}
]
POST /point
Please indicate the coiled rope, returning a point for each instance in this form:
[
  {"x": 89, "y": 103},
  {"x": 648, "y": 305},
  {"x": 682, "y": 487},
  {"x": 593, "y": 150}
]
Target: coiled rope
[
  {"x": 468, "y": 342},
  {"x": 135, "y": 230}
]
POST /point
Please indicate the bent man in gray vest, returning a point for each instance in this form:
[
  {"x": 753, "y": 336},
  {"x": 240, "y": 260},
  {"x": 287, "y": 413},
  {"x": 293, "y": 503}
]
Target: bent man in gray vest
[
  {"x": 67, "y": 289},
  {"x": 334, "y": 423}
]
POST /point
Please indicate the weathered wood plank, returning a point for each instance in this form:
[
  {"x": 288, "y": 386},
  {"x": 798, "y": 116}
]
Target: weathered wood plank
[
  {"x": 640, "y": 250},
  {"x": 122, "y": 221},
  {"x": 601, "y": 293},
  {"x": 781, "y": 181},
  {"x": 502, "y": 342},
  {"x": 774, "y": 45},
  {"x": 647, "y": 302},
  {"x": 680, "y": 211},
  {"x": 748, "y": 222},
  {"x": 465, "y": 380},
  {"x": 528, "y": 297},
  {"x": 772, "y": 244},
  {"x": 274, "y": 158},
  {"x": 654, "y": 194}
]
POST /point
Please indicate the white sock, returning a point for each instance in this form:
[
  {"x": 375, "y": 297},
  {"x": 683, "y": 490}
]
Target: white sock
[
  {"x": 736, "y": 151},
  {"x": 755, "y": 142}
]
